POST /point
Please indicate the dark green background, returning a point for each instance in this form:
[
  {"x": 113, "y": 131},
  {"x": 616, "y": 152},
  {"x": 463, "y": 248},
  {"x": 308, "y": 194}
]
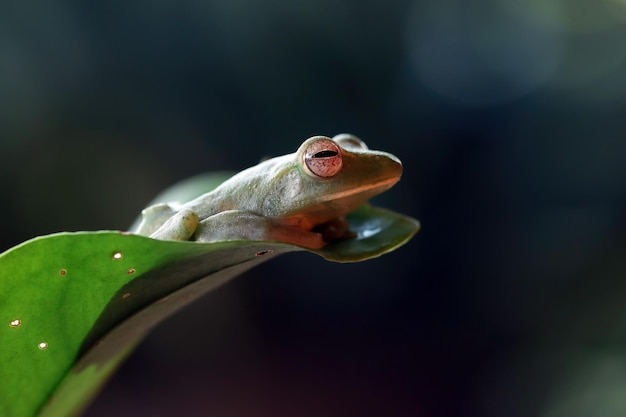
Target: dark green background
[{"x": 509, "y": 118}]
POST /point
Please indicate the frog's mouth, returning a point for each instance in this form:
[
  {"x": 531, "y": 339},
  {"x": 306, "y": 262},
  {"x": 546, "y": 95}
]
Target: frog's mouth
[
  {"x": 368, "y": 191},
  {"x": 337, "y": 204}
]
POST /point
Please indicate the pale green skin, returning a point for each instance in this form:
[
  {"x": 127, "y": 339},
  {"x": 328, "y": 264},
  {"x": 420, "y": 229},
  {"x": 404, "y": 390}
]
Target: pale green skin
[{"x": 281, "y": 199}]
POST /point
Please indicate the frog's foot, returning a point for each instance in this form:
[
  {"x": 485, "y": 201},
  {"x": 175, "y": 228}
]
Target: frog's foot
[
  {"x": 336, "y": 229},
  {"x": 239, "y": 225},
  {"x": 181, "y": 226}
]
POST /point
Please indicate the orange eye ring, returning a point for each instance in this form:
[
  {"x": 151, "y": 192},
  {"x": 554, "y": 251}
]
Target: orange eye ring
[{"x": 323, "y": 158}]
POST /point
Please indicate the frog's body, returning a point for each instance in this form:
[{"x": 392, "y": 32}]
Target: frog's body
[{"x": 299, "y": 198}]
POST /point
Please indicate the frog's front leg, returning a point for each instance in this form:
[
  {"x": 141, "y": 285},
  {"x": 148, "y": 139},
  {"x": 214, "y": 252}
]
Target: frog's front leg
[
  {"x": 162, "y": 221},
  {"x": 241, "y": 225}
]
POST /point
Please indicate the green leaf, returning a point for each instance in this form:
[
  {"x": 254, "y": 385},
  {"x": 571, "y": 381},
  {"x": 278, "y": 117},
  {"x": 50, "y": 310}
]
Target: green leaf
[{"x": 74, "y": 305}]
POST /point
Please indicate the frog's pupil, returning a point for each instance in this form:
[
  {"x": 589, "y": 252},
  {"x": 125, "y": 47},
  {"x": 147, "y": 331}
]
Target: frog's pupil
[{"x": 325, "y": 154}]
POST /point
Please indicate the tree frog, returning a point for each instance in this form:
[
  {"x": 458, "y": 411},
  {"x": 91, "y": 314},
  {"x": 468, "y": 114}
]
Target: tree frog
[{"x": 300, "y": 198}]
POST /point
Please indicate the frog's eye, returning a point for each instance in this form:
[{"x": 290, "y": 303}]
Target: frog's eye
[
  {"x": 348, "y": 141},
  {"x": 323, "y": 158}
]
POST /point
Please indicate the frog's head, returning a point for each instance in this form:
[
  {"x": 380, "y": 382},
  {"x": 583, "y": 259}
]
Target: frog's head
[{"x": 329, "y": 177}]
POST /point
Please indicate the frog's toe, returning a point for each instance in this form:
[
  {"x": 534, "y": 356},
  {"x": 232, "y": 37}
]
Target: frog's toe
[
  {"x": 153, "y": 217},
  {"x": 180, "y": 226}
]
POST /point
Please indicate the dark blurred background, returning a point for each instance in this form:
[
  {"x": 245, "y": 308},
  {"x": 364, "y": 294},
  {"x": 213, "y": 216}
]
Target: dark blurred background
[{"x": 509, "y": 117}]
